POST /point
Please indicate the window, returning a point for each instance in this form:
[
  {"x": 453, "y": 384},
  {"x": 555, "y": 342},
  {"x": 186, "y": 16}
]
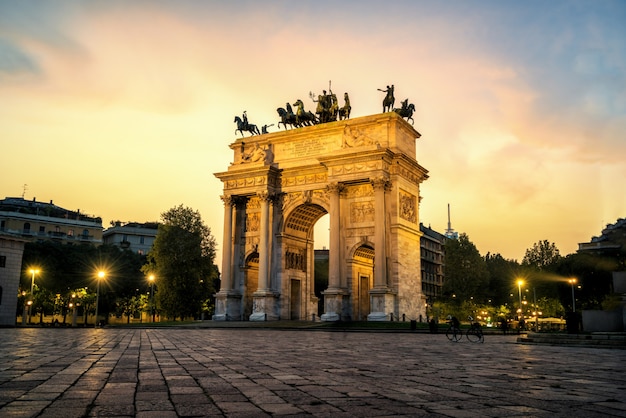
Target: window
[
  {"x": 27, "y": 228},
  {"x": 141, "y": 240},
  {"x": 3, "y": 260},
  {"x": 70, "y": 232},
  {"x": 85, "y": 233},
  {"x": 2, "y": 225},
  {"x": 42, "y": 230},
  {"x": 0, "y": 295}
]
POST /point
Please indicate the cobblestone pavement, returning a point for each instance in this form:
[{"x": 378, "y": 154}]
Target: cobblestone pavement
[{"x": 262, "y": 372}]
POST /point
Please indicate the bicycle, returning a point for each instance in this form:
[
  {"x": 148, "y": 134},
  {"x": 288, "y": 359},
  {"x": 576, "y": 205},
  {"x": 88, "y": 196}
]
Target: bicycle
[
  {"x": 474, "y": 332},
  {"x": 453, "y": 332}
]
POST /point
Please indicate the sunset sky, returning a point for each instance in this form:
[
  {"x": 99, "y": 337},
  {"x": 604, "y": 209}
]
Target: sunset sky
[{"x": 124, "y": 109}]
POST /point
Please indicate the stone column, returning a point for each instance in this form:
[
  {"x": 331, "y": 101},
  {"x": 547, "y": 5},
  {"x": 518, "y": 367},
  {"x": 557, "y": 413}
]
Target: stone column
[
  {"x": 381, "y": 299},
  {"x": 264, "y": 299},
  {"x": 334, "y": 267},
  {"x": 227, "y": 300},
  {"x": 264, "y": 242},
  {"x": 380, "y": 255},
  {"x": 227, "y": 246},
  {"x": 333, "y": 296}
]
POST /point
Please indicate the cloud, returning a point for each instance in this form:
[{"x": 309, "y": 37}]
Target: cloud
[{"x": 15, "y": 62}]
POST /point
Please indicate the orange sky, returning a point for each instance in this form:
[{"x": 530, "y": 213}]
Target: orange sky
[{"x": 125, "y": 109}]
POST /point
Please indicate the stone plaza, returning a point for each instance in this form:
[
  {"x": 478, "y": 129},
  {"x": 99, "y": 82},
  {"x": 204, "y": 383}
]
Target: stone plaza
[{"x": 255, "y": 372}]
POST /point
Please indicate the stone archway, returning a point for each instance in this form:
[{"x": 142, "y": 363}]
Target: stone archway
[{"x": 362, "y": 172}]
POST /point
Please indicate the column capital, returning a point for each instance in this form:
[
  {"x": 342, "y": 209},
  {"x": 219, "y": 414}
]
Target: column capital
[
  {"x": 381, "y": 183},
  {"x": 228, "y": 200},
  {"x": 335, "y": 188},
  {"x": 265, "y": 196}
]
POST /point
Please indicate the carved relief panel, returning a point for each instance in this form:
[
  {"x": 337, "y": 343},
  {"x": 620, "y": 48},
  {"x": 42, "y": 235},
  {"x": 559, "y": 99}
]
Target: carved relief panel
[{"x": 407, "y": 206}]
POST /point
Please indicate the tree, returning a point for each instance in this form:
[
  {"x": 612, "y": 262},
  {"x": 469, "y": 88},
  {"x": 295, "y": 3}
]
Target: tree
[
  {"x": 539, "y": 264},
  {"x": 466, "y": 275},
  {"x": 502, "y": 274},
  {"x": 182, "y": 258},
  {"x": 542, "y": 256}
]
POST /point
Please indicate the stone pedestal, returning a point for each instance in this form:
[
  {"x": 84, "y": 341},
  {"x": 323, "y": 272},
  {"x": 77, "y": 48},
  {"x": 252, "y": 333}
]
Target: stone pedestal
[
  {"x": 227, "y": 306},
  {"x": 264, "y": 306},
  {"x": 382, "y": 303},
  {"x": 333, "y": 305}
]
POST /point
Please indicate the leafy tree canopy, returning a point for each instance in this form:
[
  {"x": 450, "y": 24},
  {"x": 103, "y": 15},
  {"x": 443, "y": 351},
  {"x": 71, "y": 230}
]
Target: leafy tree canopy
[
  {"x": 465, "y": 270},
  {"x": 542, "y": 256},
  {"x": 182, "y": 258}
]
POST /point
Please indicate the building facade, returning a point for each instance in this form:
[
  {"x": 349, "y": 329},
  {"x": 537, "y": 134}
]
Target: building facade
[
  {"x": 432, "y": 260},
  {"x": 611, "y": 242},
  {"x": 11, "y": 251},
  {"x": 39, "y": 221},
  {"x": 133, "y": 236}
]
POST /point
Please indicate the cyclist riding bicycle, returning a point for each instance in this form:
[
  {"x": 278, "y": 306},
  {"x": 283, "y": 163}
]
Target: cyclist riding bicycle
[{"x": 452, "y": 320}]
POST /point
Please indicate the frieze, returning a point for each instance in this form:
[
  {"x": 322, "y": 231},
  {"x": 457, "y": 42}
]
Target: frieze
[
  {"x": 358, "y": 167},
  {"x": 404, "y": 172},
  {"x": 363, "y": 190},
  {"x": 246, "y": 182},
  {"x": 303, "y": 179},
  {"x": 408, "y": 206}
]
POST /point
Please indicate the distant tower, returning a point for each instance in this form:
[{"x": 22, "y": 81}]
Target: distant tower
[{"x": 450, "y": 233}]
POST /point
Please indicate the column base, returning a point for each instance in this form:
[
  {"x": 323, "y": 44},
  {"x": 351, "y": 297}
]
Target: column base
[
  {"x": 264, "y": 306},
  {"x": 330, "y": 317},
  {"x": 333, "y": 305},
  {"x": 377, "y": 316},
  {"x": 227, "y": 306},
  {"x": 381, "y": 303}
]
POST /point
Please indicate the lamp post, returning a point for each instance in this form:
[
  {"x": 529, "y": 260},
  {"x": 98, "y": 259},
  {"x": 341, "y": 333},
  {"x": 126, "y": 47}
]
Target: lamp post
[
  {"x": 151, "y": 278},
  {"x": 572, "y": 282},
  {"x": 520, "y": 282},
  {"x": 32, "y": 289},
  {"x": 101, "y": 275},
  {"x": 25, "y": 312}
]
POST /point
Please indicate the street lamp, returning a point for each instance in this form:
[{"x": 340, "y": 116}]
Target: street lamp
[
  {"x": 520, "y": 282},
  {"x": 32, "y": 288},
  {"x": 101, "y": 275},
  {"x": 151, "y": 278},
  {"x": 572, "y": 282}
]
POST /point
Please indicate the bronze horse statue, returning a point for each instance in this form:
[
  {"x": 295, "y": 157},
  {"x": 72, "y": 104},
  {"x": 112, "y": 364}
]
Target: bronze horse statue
[
  {"x": 304, "y": 118},
  {"x": 249, "y": 127},
  {"x": 286, "y": 118},
  {"x": 406, "y": 112}
]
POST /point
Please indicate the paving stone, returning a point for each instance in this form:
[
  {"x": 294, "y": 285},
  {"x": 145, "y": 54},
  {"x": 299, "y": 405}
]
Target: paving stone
[{"x": 251, "y": 372}]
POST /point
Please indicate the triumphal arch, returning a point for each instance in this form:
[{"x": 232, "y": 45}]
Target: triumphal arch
[{"x": 363, "y": 172}]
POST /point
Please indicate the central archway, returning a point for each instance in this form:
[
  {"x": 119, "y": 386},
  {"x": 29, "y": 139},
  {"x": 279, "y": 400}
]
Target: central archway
[
  {"x": 364, "y": 175},
  {"x": 298, "y": 242}
]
